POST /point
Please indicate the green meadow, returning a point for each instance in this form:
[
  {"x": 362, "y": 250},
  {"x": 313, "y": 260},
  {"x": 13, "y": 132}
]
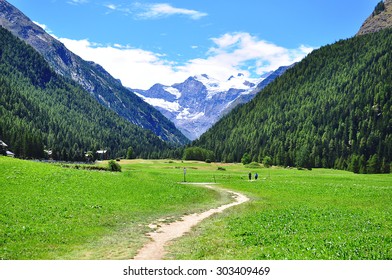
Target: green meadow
[
  {"x": 51, "y": 212},
  {"x": 298, "y": 215}
]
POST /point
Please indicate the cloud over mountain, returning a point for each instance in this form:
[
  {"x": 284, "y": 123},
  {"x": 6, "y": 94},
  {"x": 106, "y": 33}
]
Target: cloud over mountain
[{"x": 230, "y": 53}]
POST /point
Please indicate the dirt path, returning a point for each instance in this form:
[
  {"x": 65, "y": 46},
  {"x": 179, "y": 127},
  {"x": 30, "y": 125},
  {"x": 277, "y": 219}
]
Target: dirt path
[{"x": 155, "y": 249}]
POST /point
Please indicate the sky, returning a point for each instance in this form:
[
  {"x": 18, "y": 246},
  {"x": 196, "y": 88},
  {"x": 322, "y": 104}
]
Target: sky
[{"x": 146, "y": 42}]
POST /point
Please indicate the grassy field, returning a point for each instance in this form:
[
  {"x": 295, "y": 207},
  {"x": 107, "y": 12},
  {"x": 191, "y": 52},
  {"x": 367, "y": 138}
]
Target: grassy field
[
  {"x": 49, "y": 212},
  {"x": 319, "y": 214}
]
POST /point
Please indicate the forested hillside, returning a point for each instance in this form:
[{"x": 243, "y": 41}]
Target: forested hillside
[
  {"x": 333, "y": 110},
  {"x": 40, "y": 109}
]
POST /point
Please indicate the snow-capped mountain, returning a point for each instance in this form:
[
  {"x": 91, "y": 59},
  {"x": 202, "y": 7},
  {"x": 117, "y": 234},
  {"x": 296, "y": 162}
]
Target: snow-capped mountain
[{"x": 200, "y": 101}]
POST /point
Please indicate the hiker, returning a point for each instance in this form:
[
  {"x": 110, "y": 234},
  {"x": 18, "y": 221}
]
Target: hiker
[
  {"x": 256, "y": 176},
  {"x": 250, "y": 176}
]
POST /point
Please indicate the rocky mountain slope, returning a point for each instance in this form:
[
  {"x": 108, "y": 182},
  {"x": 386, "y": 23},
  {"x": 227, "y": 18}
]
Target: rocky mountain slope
[
  {"x": 381, "y": 18},
  {"x": 200, "y": 101},
  {"x": 92, "y": 77}
]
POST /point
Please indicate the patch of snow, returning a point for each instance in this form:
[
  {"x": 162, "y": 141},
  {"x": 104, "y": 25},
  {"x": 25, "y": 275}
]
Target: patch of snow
[
  {"x": 158, "y": 102},
  {"x": 186, "y": 115},
  {"x": 170, "y": 106},
  {"x": 249, "y": 91},
  {"x": 138, "y": 94},
  {"x": 104, "y": 100},
  {"x": 215, "y": 86},
  {"x": 173, "y": 91}
]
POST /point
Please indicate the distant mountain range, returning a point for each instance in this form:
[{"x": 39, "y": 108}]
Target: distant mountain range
[
  {"x": 92, "y": 77},
  {"x": 200, "y": 101}
]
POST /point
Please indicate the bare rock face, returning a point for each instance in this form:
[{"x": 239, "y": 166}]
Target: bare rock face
[{"x": 381, "y": 18}]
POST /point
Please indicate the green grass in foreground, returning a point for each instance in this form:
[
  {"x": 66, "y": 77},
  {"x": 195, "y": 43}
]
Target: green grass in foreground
[
  {"x": 318, "y": 214},
  {"x": 50, "y": 212}
]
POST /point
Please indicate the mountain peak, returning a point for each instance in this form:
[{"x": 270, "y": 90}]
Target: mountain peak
[{"x": 381, "y": 18}]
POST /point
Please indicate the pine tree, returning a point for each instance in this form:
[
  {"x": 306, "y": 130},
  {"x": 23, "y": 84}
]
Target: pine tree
[
  {"x": 246, "y": 159},
  {"x": 129, "y": 153},
  {"x": 374, "y": 165}
]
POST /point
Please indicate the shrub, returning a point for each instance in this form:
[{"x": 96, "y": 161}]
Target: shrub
[
  {"x": 84, "y": 167},
  {"x": 267, "y": 162},
  {"x": 379, "y": 8},
  {"x": 114, "y": 166},
  {"x": 246, "y": 159},
  {"x": 221, "y": 168},
  {"x": 253, "y": 165},
  {"x": 95, "y": 168}
]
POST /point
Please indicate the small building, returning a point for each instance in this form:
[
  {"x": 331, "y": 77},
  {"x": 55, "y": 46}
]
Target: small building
[
  {"x": 102, "y": 154},
  {"x": 4, "y": 151},
  {"x": 3, "y": 148},
  {"x": 10, "y": 154},
  {"x": 49, "y": 154},
  {"x": 3, "y": 144}
]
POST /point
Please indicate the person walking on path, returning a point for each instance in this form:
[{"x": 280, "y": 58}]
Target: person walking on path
[{"x": 250, "y": 176}]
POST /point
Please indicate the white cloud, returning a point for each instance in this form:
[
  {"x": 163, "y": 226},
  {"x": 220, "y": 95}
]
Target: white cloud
[
  {"x": 241, "y": 52},
  {"x": 234, "y": 50},
  {"x": 77, "y": 2},
  {"x": 112, "y": 7},
  {"x": 231, "y": 53},
  {"x": 163, "y": 10},
  {"x": 43, "y": 26},
  {"x": 136, "y": 68},
  {"x": 155, "y": 11}
]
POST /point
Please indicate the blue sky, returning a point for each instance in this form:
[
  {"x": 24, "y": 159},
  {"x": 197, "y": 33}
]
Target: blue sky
[{"x": 146, "y": 42}]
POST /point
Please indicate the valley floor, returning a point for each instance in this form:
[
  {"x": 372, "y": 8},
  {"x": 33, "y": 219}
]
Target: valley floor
[{"x": 50, "y": 212}]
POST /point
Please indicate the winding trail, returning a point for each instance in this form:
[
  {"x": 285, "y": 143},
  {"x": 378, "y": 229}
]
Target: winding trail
[{"x": 155, "y": 249}]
